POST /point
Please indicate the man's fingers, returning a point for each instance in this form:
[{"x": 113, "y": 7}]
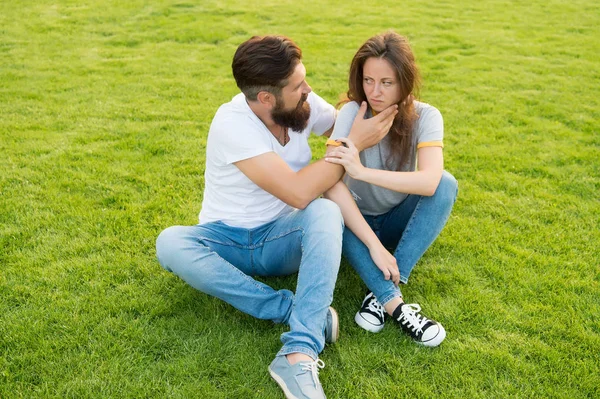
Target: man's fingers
[
  {"x": 389, "y": 112},
  {"x": 389, "y": 120},
  {"x": 361, "y": 111}
]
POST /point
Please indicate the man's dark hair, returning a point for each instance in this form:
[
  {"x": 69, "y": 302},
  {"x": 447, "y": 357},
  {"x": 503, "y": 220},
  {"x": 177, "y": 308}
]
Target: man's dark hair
[{"x": 264, "y": 63}]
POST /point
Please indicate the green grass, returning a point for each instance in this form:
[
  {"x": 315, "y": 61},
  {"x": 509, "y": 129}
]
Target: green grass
[{"x": 104, "y": 111}]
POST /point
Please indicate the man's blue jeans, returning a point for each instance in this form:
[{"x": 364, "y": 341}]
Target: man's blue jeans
[
  {"x": 219, "y": 260},
  {"x": 408, "y": 229}
]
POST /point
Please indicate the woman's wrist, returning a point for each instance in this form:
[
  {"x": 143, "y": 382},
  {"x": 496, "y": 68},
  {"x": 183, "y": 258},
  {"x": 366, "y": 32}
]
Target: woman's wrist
[
  {"x": 362, "y": 174},
  {"x": 372, "y": 243}
]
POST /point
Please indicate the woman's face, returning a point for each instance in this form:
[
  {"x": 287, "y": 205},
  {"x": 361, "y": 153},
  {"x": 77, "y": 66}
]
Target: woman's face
[{"x": 380, "y": 84}]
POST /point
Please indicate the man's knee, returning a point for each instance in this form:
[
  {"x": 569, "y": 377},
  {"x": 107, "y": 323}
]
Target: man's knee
[
  {"x": 168, "y": 243},
  {"x": 325, "y": 211}
]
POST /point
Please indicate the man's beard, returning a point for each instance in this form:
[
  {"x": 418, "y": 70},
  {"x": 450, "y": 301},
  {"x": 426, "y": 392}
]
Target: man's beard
[{"x": 295, "y": 119}]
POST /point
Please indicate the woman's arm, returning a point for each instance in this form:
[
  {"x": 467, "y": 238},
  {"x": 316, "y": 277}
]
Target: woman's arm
[
  {"x": 424, "y": 181},
  {"x": 354, "y": 220}
]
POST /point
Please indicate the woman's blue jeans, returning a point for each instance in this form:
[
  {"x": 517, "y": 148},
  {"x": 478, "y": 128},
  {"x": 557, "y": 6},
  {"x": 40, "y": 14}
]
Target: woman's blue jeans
[
  {"x": 408, "y": 229},
  {"x": 219, "y": 260}
]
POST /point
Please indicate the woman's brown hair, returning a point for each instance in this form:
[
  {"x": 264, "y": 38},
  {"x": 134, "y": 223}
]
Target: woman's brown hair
[{"x": 395, "y": 49}]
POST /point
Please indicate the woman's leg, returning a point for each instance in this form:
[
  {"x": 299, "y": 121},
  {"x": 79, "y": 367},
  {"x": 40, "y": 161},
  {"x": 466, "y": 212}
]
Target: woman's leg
[
  {"x": 359, "y": 257},
  {"x": 412, "y": 226}
]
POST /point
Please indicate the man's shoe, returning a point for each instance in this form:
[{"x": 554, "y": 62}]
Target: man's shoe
[
  {"x": 298, "y": 381},
  {"x": 423, "y": 330},
  {"x": 332, "y": 326},
  {"x": 371, "y": 315}
]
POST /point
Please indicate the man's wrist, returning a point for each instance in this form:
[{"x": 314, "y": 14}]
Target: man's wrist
[{"x": 356, "y": 139}]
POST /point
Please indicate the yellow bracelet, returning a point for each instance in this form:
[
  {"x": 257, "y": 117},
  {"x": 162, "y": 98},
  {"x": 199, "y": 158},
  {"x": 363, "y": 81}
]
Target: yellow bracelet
[{"x": 333, "y": 143}]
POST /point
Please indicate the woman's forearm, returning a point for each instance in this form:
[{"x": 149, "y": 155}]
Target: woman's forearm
[
  {"x": 424, "y": 181},
  {"x": 353, "y": 219},
  {"x": 418, "y": 182}
]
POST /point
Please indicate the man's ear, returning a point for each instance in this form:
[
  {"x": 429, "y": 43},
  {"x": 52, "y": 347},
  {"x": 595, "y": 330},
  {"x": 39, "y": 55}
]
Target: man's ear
[{"x": 266, "y": 98}]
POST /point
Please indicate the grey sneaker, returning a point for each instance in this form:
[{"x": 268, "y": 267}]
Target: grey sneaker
[
  {"x": 332, "y": 326},
  {"x": 298, "y": 381}
]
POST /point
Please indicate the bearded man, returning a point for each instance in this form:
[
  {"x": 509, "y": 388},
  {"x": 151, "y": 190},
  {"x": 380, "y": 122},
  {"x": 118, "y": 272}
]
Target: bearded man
[{"x": 260, "y": 213}]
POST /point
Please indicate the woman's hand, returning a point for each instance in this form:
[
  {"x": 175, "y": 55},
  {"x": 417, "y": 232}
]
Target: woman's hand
[
  {"x": 347, "y": 156},
  {"x": 386, "y": 262}
]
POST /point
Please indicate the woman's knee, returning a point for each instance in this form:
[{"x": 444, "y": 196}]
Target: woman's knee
[{"x": 447, "y": 190}]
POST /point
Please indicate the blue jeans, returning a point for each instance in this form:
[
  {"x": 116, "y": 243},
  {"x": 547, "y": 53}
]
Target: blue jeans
[
  {"x": 408, "y": 230},
  {"x": 219, "y": 260}
]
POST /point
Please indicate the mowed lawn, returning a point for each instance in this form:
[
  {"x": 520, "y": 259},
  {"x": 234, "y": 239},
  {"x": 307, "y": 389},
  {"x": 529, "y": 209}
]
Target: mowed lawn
[{"x": 104, "y": 112}]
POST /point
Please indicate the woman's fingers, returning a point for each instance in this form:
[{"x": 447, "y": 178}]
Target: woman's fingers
[
  {"x": 338, "y": 161},
  {"x": 340, "y": 153},
  {"x": 396, "y": 276},
  {"x": 386, "y": 274}
]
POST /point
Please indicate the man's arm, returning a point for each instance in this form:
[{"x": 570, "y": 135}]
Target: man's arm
[{"x": 270, "y": 172}]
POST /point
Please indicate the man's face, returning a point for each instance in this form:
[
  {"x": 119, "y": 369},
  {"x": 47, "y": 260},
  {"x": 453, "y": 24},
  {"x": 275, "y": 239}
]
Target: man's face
[{"x": 291, "y": 108}]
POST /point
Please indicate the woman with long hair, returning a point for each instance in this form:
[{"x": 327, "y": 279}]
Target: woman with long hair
[{"x": 397, "y": 196}]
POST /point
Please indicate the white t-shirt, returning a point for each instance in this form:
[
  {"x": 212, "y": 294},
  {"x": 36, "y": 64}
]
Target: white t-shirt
[{"x": 235, "y": 134}]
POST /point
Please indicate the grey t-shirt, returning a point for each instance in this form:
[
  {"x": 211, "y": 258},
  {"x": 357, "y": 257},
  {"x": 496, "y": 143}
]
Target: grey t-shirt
[{"x": 372, "y": 199}]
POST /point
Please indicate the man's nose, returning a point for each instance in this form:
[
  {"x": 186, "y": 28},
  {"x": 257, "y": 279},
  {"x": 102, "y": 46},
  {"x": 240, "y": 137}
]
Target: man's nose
[{"x": 307, "y": 89}]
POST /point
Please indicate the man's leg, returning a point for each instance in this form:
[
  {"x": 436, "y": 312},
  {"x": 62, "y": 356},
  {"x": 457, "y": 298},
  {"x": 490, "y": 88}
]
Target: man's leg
[
  {"x": 216, "y": 259},
  {"x": 316, "y": 232},
  {"x": 313, "y": 234}
]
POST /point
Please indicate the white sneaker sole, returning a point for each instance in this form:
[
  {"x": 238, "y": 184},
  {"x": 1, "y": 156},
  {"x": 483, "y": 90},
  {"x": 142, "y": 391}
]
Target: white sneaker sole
[
  {"x": 335, "y": 326},
  {"x": 366, "y": 324},
  {"x": 282, "y": 385},
  {"x": 435, "y": 341}
]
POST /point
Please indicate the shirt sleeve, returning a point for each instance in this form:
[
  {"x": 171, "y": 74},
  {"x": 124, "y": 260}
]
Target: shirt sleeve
[
  {"x": 430, "y": 128},
  {"x": 236, "y": 140},
  {"x": 322, "y": 114},
  {"x": 344, "y": 120}
]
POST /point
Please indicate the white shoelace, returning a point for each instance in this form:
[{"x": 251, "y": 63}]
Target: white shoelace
[
  {"x": 415, "y": 321},
  {"x": 314, "y": 367},
  {"x": 375, "y": 306}
]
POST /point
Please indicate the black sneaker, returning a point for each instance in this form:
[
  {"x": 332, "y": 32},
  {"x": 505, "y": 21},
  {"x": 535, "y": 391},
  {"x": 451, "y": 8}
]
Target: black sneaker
[
  {"x": 371, "y": 315},
  {"x": 420, "y": 328}
]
